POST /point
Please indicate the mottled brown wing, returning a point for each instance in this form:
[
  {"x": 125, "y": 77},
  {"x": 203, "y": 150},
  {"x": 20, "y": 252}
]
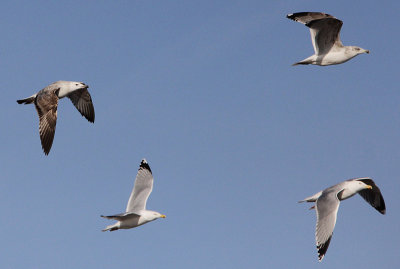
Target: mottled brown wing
[
  {"x": 46, "y": 105},
  {"x": 83, "y": 102}
]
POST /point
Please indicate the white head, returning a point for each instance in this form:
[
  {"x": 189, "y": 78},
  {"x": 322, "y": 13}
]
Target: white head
[
  {"x": 357, "y": 50},
  {"x": 151, "y": 215},
  {"x": 67, "y": 87},
  {"x": 357, "y": 185}
]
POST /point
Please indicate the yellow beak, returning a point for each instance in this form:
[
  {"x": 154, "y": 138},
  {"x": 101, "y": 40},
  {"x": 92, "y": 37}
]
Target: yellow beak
[
  {"x": 369, "y": 187},
  {"x": 163, "y": 216}
]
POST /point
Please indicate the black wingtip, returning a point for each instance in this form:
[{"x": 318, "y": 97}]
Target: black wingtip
[
  {"x": 144, "y": 165},
  {"x": 88, "y": 116},
  {"x": 46, "y": 151},
  {"x": 290, "y": 16},
  {"x": 381, "y": 206},
  {"x": 90, "y": 119},
  {"x": 322, "y": 248},
  {"x": 293, "y": 16}
]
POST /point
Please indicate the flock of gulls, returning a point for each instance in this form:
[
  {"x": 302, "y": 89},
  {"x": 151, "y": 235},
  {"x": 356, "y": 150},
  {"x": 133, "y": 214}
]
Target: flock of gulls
[{"x": 329, "y": 50}]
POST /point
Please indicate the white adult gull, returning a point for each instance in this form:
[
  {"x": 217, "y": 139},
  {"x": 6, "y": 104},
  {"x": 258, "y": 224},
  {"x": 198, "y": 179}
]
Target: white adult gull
[
  {"x": 325, "y": 37},
  {"x": 46, "y": 102},
  {"x": 136, "y": 213},
  {"x": 327, "y": 205}
]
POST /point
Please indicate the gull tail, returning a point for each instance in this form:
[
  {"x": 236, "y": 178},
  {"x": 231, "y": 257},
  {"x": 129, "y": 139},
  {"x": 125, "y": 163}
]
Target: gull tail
[
  {"x": 309, "y": 60},
  {"x": 299, "y": 63},
  {"x": 28, "y": 100},
  {"x": 111, "y": 228},
  {"x": 312, "y": 198}
]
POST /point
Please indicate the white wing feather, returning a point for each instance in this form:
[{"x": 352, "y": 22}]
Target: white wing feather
[{"x": 142, "y": 189}]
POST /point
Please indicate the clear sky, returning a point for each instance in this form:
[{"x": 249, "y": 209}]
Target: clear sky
[{"x": 235, "y": 136}]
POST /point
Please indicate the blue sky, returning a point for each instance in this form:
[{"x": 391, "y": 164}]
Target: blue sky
[{"x": 234, "y": 134}]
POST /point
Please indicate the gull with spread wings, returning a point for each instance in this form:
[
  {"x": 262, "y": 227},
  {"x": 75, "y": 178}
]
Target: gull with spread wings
[
  {"x": 325, "y": 37},
  {"x": 327, "y": 205},
  {"x": 136, "y": 213},
  {"x": 46, "y": 102}
]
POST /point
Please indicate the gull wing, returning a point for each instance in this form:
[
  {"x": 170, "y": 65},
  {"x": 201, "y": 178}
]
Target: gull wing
[
  {"x": 373, "y": 196},
  {"x": 120, "y": 217},
  {"x": 142, "y": 188},
  {"x": 46, "y": 103},
  {"x": 325, "y": 34},
  {"x": 83, "y": 102},
  {"x": 327, "y": 206},
  {"x": 306, "y": 17},
  {"x": 324, "y": 29}
]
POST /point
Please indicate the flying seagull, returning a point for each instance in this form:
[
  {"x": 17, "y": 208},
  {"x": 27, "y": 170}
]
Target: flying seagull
[
  {"x": 46, "y": 102},
  {"x": 136, "y": 213},
  {"x": 325, "y": 37},
  {"x": 327, "y": 205}
]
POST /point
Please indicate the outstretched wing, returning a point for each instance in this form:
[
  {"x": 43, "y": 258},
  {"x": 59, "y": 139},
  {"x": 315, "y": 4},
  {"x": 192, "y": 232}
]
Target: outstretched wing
[
  {"x": 83, "y": 102},
  {"x": 142, "y": 188},
  {"x": 325, "y": 34},
  {"x": 326, "y": 206},
  {"x": 46, "y": 103},
  {"x": 324, "y": 29},
  {"x": 373, "y": 196}
]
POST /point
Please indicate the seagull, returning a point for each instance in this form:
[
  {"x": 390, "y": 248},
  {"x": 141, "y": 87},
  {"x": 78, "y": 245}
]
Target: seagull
[
  {"x": 136, "y": 213},
  {"x": 325, "y": 30},
  {"x": 46, "y": 102},
  {"x": 327, "y": 205}
]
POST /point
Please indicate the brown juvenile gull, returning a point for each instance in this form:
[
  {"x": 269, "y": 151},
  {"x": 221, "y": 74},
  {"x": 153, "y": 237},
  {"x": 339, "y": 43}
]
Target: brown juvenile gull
[
  {"x": 325, "y": 37},
  {"x": 136, "y": 213},
  {"x": 46, "y": 102},
  {"x": 327, "y": 205}
]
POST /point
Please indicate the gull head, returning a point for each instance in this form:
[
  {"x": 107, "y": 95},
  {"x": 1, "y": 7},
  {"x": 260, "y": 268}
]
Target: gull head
[
  {"x": 152, "y": 215},
  {"x": 79, "y": 85},
  {"x": 359, "y": 186},
  {"x": 359, "y": 50},
  {"x": 72, "y": 85},
  {"x": 353, "y": 51},
  {"x": 67, "y": 87}
]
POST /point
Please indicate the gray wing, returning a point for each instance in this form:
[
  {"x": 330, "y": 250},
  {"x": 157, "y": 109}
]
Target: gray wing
[
  {"x": 325, "y": 34},
  {"x": 83, "y": 102},
  {"x": 142, "y": 188},
  {"x": 120, "y": 217},
  {"x": 46, "y": 103},
  {"x": 324, "y": 29},
  {"x": 327, "y": 206},
  {"x": 373, "y": 196}
]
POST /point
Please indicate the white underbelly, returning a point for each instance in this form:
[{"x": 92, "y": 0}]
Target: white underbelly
[{"x": 335, "y": 58}]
